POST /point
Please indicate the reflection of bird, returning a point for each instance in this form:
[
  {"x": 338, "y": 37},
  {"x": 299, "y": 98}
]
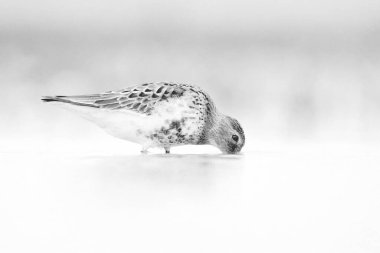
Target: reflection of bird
[{"x": 159, "y": 115}]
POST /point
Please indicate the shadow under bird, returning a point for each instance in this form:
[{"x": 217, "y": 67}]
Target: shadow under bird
[{"x": 159, "y": 115}]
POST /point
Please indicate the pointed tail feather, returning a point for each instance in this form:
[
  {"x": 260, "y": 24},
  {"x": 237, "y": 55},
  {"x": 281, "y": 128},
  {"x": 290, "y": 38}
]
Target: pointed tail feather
[{"x": 68, "y": 100}]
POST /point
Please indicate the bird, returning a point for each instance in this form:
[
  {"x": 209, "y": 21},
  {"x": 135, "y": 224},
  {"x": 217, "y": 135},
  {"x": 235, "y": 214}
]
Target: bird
[{"x": 159, "y": 115}]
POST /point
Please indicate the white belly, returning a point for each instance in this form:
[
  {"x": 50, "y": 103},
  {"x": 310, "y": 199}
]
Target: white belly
[{"x": 136, "y": 127}]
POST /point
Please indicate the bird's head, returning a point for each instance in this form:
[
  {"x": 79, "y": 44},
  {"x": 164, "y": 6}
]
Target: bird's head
[{"x": 227, "y": 135}]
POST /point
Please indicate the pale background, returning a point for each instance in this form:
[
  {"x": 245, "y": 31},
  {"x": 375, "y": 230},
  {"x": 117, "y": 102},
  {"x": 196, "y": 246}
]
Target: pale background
[{"x": 301, "y": 76}]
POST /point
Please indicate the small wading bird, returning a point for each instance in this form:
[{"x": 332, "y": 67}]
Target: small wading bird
[{"x": 159, "y": 115}]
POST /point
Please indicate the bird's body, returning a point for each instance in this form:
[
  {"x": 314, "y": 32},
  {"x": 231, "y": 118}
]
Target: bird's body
[{"x": 152, "y": 114}]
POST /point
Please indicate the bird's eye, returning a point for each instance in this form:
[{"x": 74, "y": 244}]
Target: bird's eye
[{"x": 235, "y": 138}]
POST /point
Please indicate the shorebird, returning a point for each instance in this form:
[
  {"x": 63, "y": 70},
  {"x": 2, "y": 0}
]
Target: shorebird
[{"x": 159, "y": 115}]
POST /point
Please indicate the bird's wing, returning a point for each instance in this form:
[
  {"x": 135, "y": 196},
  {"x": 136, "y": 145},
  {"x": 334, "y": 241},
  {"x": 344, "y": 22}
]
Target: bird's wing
[{"x": 140, "y": 98}]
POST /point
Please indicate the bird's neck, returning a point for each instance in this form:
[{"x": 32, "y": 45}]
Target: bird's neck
[
  {"x": 211, "y": 120},
  {"x": 218, "y": 125},
  {"x": 214, "y": 127}
]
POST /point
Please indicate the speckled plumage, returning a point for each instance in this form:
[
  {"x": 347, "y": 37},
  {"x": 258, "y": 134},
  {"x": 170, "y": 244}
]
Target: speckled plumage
[{"x": 158, "y": 115}]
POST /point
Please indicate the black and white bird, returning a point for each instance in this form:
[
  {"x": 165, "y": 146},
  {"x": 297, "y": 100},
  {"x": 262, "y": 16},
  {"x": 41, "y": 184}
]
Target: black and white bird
[{"x": 159, "y": 115}]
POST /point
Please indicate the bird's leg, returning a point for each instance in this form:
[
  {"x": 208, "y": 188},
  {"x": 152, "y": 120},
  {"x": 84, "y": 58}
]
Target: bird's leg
[{"x": 167, "y": 150}]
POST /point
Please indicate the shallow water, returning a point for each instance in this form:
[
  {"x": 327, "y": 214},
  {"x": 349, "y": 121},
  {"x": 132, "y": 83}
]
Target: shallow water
[
  {"x": 289, "y": 198},
  {"x": 303, "y": 83}
]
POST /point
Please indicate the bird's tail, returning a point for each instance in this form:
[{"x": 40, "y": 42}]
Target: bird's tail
[
  {"x": 52, "y": 99},
  {"x": 74, "y": 100}
]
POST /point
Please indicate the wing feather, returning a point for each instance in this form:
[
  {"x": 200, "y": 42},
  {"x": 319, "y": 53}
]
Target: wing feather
[{"x": 140, "y": 98}]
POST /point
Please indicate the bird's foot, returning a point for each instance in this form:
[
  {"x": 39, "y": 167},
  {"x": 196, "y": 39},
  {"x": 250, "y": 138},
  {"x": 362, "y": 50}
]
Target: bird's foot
[{"x": 167, "y": 150}]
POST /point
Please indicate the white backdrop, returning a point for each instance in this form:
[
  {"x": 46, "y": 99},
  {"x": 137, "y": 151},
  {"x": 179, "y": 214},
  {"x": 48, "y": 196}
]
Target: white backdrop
[{"x": 301, "y": 76}]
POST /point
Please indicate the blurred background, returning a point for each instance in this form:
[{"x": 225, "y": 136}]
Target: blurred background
[
  {"x": 302, "y": 77},
  {"x": 286, "y": 69}
]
